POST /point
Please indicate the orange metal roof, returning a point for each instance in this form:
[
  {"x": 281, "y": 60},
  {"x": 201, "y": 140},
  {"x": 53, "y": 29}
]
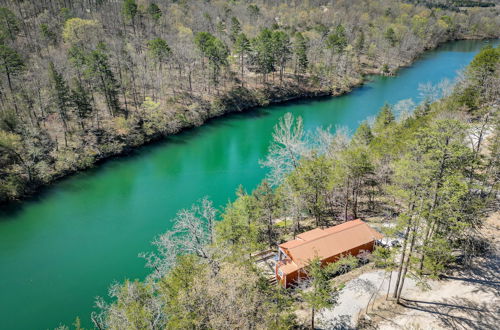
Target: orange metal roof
[
  {"x": 325, "y": 243},
  {"x": 287, "y": 266},
  {"x": 311, "y": 234},
  {"x": 290, "y": 244}
]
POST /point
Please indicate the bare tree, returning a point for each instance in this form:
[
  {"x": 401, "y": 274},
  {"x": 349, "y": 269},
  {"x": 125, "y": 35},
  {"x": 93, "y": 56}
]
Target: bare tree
[
  {"x": 403, "y": 109},
  {"x": 192, "y": 234},
  {"x": 286, "y": 149}
]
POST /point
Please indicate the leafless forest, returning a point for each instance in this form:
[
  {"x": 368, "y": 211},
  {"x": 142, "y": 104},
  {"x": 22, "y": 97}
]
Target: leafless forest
[{"x": 82, "y": 80}]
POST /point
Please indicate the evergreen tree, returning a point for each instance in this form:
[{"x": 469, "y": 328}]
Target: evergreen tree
[
  {"x": 239, "y": 229},
  {"x": 390, "y": 36},
  {"x": 267, "y": 206},
  {"x": 9, "y": 25},
  {"x": 320, "y": 294},
  {"x": 264, "y": 56},
  {"x": 98, "y": 67},
  {"x": 280, "y": 308},
  {"x": 358, "y": 167},
  {"x": 359, "y": 45},
  {"x": 300, "y": 51},
  {"x": 282, "y": 50},
  {"x": 485, "y": 62},
  {"x": 221, "y": 27},
  {"x": 242, "y": 48},
  {"x": 81, "y": 102},
  {"x": 384, "y": 258},
  {"x": 253, "y": 11},
  {"x": 337, "y": 40},
  {"x": 129, "y": 10},
  {"x": 215, "y": 50},
  {"x": 363, "y": 134},
  {"x": 159, "y": 50},
  {"x": 235, "y": 29},
  {"x": 48, "y": 34},
  {"x": 311, "y": 181},
  {"x": 154, "y": 11},
  {"x": 432, "y": 181},
  {"x": 11, "y": 64},
  {"x": 61, "y": 97},
  {"x": 384, "y": 118}
]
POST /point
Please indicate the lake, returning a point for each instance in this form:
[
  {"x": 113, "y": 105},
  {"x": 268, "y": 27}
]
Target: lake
[{"x": 60, "y": 250}]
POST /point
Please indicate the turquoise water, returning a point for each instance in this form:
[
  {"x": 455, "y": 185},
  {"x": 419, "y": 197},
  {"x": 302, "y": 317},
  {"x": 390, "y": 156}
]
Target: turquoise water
[{"x": 64, "y": 248}]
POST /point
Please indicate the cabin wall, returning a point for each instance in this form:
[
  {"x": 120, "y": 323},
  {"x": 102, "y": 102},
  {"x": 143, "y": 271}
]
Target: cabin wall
[
  {"x": 293, "y": 278},
  {"x": 354, "y": 252}
]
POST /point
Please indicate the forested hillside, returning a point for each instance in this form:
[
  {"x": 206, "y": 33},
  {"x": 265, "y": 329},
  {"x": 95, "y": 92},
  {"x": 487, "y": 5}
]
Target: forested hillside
[
  {"x": 430, "y": 174},
  {"x": 84, "y": 80}
]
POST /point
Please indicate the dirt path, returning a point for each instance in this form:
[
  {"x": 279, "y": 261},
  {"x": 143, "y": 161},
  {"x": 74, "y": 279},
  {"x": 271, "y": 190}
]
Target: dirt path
[
  {"x": 354, "y": 297},
  {"x": 466, "y": 299}
]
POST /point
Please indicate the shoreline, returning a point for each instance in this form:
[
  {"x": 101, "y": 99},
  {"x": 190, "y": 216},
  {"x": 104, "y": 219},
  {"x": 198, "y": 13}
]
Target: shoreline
[{"x": 292, "y": 94}]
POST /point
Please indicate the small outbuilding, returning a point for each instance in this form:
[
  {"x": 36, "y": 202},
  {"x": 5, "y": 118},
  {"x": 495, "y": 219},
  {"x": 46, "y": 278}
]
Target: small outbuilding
[{"x": 329, "y": 245}]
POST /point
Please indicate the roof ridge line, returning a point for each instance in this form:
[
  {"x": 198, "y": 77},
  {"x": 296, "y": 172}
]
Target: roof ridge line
[{"x": 305, "y": 242}]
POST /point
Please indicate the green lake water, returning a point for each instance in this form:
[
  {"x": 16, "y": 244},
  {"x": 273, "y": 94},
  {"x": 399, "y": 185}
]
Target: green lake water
[{"x": 63, "y": 248}]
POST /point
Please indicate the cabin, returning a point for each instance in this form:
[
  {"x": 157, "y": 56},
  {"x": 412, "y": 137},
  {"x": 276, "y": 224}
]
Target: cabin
[{"x": 329, "y": 244}]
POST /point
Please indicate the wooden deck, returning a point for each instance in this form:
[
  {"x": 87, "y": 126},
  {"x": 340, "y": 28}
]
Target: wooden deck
[{"x": 265, "y": 261}]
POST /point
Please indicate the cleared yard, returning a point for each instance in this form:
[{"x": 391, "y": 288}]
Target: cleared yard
[{"x": 465, "y": 299}]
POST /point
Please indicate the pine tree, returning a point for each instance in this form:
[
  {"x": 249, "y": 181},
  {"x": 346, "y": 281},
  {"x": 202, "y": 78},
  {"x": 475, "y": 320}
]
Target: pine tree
[
  {"x": 300, "y": 50},
  {"x": 264, "y": 56},
  {"x": 9, "y": 24},
  {"x": 242, "y": 48},
  {"x": 337, "y": 40},
  {"x": 129, "y": 10},
  {"x": 267, "y": 205},
  {"x": 154, "y": 11},
  {"x": 320, "y": 294},
  {"x": 159, "y": 50},
  {"x": 81, "y": 102},
  {"x": 363, "y": 134},
  {"x": 215, "y": 50},
  {"x": 384, "y": 118},
  {"x": 61, "y": 98},
  {"x": 311, "y": 181},
  {"x": 11, "y": 64},
  {"x": 99, "y": 67},
  {"x": 390, "y": 36},
  {"x": 235, "y": 29},
  {"x": 282, "y": 50},
  {"x": 359, "y": 45}
]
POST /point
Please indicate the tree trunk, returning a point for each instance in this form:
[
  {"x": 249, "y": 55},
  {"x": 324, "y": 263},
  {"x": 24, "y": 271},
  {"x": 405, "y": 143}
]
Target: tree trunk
[
  {"x": 269, "y": 230},
  {"x": 241, "y": 65},
  {"x": 11, "y": 89},
  {"x": 346, "y": 206},
  {"x": 355, "y": 201},
  {"x": 403, "y": 254},
  {"x": 389, "y": 287},
  {"x": 312, "y": 318},
  {"x": 407, "y": 264},
  {"x": 65, "y": 127}
]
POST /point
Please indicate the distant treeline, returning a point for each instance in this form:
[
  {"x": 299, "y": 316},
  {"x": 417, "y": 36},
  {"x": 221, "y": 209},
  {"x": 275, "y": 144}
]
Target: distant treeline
[{"x": 454, "y": 5}]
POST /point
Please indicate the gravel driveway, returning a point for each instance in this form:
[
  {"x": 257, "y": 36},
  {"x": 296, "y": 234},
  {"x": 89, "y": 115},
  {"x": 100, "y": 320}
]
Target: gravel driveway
[{"x": 354, "y": 297}]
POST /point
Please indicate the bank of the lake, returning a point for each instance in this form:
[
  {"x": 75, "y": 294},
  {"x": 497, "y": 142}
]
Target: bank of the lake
[
  {"x": 237, "y": 100},
  {"x": 61, "y": 249}
]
